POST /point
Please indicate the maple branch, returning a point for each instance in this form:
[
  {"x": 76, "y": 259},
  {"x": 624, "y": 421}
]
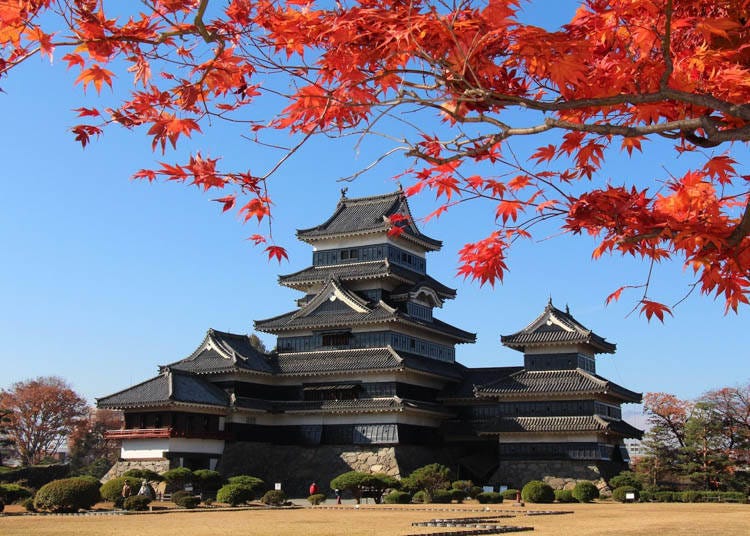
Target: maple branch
[{"x": 742, "y": 229}]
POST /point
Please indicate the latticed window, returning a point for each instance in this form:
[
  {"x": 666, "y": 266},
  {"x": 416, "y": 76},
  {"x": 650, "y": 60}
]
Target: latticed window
[{"x": 335, "y": 339}]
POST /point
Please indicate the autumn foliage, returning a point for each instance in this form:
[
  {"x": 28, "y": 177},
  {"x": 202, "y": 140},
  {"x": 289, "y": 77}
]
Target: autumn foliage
[
  {"x": 618, "y": 74},
  {"x": 42, "y": 412}
]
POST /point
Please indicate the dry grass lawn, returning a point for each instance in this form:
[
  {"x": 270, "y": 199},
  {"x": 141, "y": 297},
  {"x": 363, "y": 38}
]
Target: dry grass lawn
[{"x": 586, "y": 520}]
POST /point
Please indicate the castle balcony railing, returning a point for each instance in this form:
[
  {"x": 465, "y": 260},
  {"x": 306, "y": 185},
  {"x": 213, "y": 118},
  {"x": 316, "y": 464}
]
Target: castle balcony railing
[{"x": 164, "y": 433}]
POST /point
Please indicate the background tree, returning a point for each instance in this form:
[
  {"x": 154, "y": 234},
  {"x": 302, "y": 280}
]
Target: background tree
[
  {"x": 90, "y": 452},
  {"x": 6, "y": 443},
  {"x": 704, "y": 441},
  {"x": 450, "y": 83},
  {"x": 43, "y": 412}
]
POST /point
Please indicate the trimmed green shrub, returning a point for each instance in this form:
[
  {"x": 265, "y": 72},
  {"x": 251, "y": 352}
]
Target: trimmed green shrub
[
  {"x": 252, "y": 482},
  {"x": 317, "y": 498},
  {"x": 490, "y": 497},
  {"x": 11, "y": 493},
  {"x": 185, "y": 499},
  {"x": 585, "y": 491},
  {"x": 420, "y": 497},
  {"x": 67, "y": 495},
  {"x": 665, "y": 496},
  {"x": 177, "y": 478},
  {"x": 646, "y": 496},
  {"x": 626, "y": 478},
  {"x": 733, "y": 496},
  {"x": 234, "y": 494},
  {"x": 691, "y": 496},
  {"x": 565, "y": 496},
  {"x": 274, "y": 497},
  {"x": 148, "y": 474},
  {"x": 428, "y": 478},
  {"x": 36, "y": 476},
  {"x": 474, "y": 491},
  {"x": 397, "y": 497},
  {"x": 358, "y": 482},
  {"x": 510, "y": 494},
  {"x": 136, "y": 503},
  {"x": 177, "y": 496},
  {"x": 207, "y": 481},
  {"x": 619, "y": 493},
  {"x": 112, "y": 489},
  {"x": 464, "y": 485},
  {"x": 441, "y": 496},
  {"x": 537, "y": 491},
  {"x": 190, "y": 502},
  {"x": 28, "y": 504},
  {"x": 458, "y": 495}
]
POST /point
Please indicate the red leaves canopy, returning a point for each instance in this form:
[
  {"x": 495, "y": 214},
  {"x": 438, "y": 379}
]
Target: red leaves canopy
[
  {"x": 42, "y": 412},
  {"x": 620, "y": 72}
]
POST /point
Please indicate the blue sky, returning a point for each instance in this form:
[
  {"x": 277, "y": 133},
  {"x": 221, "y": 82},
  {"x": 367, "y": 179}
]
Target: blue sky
[{"x": 104, "y": 278}]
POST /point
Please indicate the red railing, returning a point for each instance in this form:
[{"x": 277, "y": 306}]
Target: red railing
[{"x": 162, "y": 433}]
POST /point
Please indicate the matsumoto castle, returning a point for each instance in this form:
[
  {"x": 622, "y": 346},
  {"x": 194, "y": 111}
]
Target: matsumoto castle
[{"x": 364, "y": 377}]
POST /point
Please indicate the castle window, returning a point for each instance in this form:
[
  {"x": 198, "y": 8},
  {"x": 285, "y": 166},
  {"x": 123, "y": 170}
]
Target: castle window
[{"x": 335, "y": 339}]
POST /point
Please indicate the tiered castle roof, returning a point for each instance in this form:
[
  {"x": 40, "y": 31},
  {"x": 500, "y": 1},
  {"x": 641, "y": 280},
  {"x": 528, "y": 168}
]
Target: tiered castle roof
[{"x": 556, "y": 328}]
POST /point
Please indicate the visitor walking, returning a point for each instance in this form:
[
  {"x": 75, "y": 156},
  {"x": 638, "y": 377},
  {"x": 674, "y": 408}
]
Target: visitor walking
[
  {"x": 337, "y": 491},
  {"x": 314, "y": 488}
]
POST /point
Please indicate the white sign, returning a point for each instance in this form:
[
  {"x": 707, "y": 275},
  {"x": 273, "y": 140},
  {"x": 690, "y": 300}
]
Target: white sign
[
  {"x": 277, "y": 486},
  {"x": 630, "y": 496}
]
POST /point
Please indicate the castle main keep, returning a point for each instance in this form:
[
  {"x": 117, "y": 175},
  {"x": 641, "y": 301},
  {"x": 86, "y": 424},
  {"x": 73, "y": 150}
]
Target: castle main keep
[{"x": 364, "y": 376}]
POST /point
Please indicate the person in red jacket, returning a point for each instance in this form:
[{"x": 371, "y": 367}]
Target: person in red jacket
[{"x": 313, "y": 488}]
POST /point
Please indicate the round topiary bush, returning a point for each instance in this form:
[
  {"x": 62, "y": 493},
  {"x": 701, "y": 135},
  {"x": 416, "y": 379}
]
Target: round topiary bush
[
  {"x": 420, "y": 497},
  {"x": 585, "y": 491},
  {"x": 67, "y": 495},
  {"x": 274, "y": 497},
  {"x": 177, "y": 478},
  {"x": 510, "y": 494},
  {"x": 140, "y": 474},
  {"x": 458, "y": 495},
  {"x": 136, "y": 503},
  {"x": 177, "y": 496},
  {"x": 207, "y": 481},
  {"x": 564, "y": 496},
  {"x": 317, "y": 498},
  {"x": 620, "y": 493},
  {"x": 490, "y": 497},
  {"x": 190, "y": 502},
  {"x": 28, "y": 504},
  {"x": 11, "y": 493},
  {"x": 474, "y": 491},
  {"x": 442, "y": 496},
  {"x": 234, "y": 494},
  {"x": 397, "y": 497},
  {"x": 185, "y": 499},
  {"x": 537, "y": 491},
  {"x": 252, "y": 482},
  {"x": 626, "y": 478},
  {"x": 112, "y": 489}
]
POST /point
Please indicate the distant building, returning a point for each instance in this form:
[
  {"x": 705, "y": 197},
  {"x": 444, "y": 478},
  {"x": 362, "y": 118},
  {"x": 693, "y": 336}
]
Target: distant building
[
  {"x": 365, "y": 377},
  {"x": 636, "y": 448}
]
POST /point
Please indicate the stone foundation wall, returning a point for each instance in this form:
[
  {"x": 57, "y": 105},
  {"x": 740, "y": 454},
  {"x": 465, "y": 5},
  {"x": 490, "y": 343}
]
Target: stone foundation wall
[
  {"x": 297, "y": 466},
  {"x": 560, "y": 474},
  {"x": 157, "y": 465}
]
